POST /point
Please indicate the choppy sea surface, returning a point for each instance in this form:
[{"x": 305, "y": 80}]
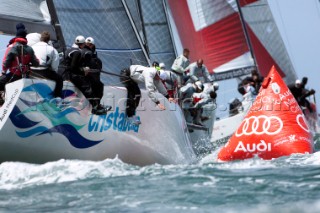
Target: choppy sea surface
[{"x": 287, "y": 184}]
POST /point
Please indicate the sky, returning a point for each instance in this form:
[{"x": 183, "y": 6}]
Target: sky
[{"x": 299, "y": 24}]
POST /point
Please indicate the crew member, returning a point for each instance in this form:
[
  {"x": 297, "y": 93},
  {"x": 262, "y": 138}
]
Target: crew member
[
  {"x": 170, "y": 80},
  {"x": 255, "y": 81},
  {"x": 209, "y": 95},
  {"x": 78, "y": 67},
  {"x": 17, "y": 58},
  {"x": 180, "y": 65},
  {"x": 71, "y": 59},
  {"x": 186, "y": 94},
  {"x": 296, "y": 90},
  {"x": 300, "y": 94},
  {"x": 150, "y": 76},
  {"x": 199, "y": 70},
  {"x": 49, "y": 62},
  {"x": 95, "y": 65}
]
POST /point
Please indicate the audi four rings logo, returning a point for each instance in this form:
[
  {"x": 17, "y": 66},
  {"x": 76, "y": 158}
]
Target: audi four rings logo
[
  {"x": 260, "y": 125},
  {"x": 301, "y": 120}
]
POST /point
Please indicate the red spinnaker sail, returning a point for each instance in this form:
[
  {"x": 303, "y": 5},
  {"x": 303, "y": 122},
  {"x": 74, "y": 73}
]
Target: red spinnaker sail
[
  {"x": 220, "y": 41},
  {"x": 212, "y": 30},
  {"x": 246, "y": 2}
]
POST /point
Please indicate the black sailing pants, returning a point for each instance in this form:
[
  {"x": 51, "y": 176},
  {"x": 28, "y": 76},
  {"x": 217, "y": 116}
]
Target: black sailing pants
[
  {"x": 133, "y": 92},
  {"x": 133, "y": 97},
  {"x": 91, "y": 88},
  {"x": 51, "y": 75},
  {"x": 8, "y": 78}
]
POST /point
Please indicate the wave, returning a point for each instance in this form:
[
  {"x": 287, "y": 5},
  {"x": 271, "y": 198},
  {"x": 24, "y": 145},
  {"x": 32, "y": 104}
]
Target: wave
[
  {"x": 256, "y": 162},
  {"x": 15, "y": 175}
]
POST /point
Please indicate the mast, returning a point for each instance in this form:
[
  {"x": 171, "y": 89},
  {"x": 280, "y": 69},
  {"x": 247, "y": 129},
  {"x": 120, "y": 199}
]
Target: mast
[
  {"x": 145, "y": 41},
  {"x": 246, "y": 34},
  {"x": 136, "y": 31},
  {"x": 56, "y": 24},
  {"x": 165, "y": 7}
]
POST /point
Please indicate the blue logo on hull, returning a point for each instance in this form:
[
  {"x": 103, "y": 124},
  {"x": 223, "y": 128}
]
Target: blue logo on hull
[{"x": 115, "y": 120}]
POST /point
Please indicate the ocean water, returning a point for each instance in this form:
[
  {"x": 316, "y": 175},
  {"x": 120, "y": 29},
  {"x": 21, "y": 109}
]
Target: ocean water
[{"x": 287, "y": 184}]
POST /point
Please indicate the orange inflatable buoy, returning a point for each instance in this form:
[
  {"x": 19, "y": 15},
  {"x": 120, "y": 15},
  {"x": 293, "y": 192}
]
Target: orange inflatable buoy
[{"x": 274, "y": 127}]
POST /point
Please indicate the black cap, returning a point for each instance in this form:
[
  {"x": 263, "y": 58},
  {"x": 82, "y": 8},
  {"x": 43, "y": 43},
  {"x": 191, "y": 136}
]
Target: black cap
[
  {"x": 21, "y": 30},
  {"x": 20, "y": 26},
  {"x": 304, "y": 80},
  {"x": 155, "y": 64},
  {"x": 21, "y": 33}
]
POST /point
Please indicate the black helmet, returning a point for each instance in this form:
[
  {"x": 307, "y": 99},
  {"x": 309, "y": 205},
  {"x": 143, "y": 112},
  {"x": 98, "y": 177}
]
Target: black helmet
[
  {"x": 155, "y": 64},
  {"x": 124, "y": 74}
]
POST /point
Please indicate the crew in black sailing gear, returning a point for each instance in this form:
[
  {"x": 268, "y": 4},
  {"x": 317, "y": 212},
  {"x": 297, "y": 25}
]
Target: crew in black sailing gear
[
  {"x": 93, "y": 76},
  {"x": 77, "y": 68}
]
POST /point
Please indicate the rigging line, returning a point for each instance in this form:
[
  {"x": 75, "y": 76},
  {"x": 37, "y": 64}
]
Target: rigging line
[
  {"x": 120, "y": 50},
  {"x": 285, "y": 31},
  {"x": 166, "y": 13},
  {"x": 246, "y": 33},
  {"x": 140, "y": 18},
  {"x": 143, "y": 27},
  {"x": 115, "y": 25},
  {"x": 113, "y": 74},
  {"x": 116, "y": 56},
  {"x": 318, "y": 6},
  {"x": 130, "y": 51},
  {"x": 133, "y": 25},
  {"x": 121, "y": 34}
]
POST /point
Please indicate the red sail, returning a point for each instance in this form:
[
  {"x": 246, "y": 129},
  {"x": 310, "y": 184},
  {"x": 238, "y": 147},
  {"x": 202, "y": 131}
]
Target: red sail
[
  {"x": 217, "y": 37},
  {"x": 212, "y": 30},
  {"x": 246, "y": 2},
  {"x": 274, "y": 127}
]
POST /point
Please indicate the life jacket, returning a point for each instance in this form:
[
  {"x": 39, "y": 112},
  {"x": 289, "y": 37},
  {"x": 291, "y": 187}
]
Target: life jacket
[
  {"x": 22, "y": 56},
  {"x": 196, "y": 97},
  {"x": 66, "y": 56},
  {"x": 66, "y": 59}
]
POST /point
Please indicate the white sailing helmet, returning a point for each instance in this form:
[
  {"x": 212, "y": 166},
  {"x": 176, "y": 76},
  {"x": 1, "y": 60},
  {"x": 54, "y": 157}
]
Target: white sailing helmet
[
  {"x": 215, "y": 86},
  {"x": 199, "y": 85},
  {"x": 90, "y": 40},
  {"x": 79, "y": 39},
  {"x": 162, "y": 65}
]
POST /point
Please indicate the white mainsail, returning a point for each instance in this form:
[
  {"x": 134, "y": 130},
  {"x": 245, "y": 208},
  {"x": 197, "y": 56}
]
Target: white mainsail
[
  {"x": 267, "y": 43},
  {"x": 33, "y": 13}
]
